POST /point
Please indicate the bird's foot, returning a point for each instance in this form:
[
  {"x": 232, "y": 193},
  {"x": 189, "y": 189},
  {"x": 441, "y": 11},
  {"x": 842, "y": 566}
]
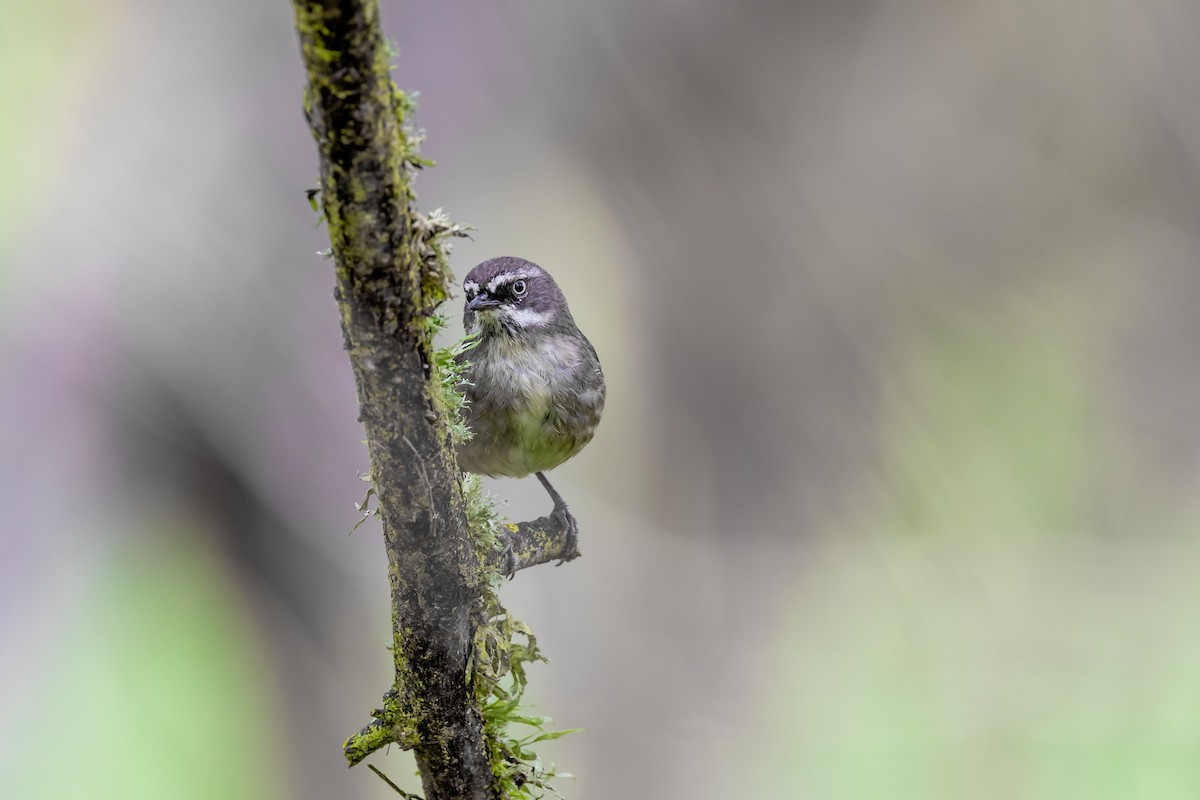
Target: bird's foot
[
  {"x": 509, "y": 553},
  {"x": 571, "y": 544},
  {"x": 563, "y": 516}
]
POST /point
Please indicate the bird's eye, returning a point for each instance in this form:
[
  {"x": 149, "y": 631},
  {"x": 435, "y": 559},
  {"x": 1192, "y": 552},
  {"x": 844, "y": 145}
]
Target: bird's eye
[{"x": 519, "y": 287}]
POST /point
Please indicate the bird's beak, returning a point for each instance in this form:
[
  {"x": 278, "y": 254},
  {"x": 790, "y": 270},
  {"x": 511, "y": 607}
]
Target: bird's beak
[{"x": 482, "y": 301}]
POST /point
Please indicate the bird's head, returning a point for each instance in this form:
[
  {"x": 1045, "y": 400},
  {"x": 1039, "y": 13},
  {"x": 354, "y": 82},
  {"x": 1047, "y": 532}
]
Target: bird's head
[{"x": 512, "y": 295}]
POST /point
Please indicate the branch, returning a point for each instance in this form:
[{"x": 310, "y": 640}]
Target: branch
[
  {"x": 391, "y": 275},
  {"x": 376, "y": 735},
  {"x": 528, "y": 544}
]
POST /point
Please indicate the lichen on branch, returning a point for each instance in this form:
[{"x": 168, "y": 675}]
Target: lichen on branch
[
  {"x": 391, "y": 274},
  {"x": 459, "y": 657}
]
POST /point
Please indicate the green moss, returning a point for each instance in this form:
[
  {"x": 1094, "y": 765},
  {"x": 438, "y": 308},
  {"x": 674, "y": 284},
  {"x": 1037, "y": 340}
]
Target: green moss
[
  {"x": 503, "y": 648},
  {"x": 314, "y": 36},
  {"x": 419, "y": 277}
]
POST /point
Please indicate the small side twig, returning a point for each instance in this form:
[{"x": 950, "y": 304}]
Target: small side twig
[
  {"x": 535, "y": 542},
  {"x": 388, "y": 781},
  {"x": 376, "y": 735}
]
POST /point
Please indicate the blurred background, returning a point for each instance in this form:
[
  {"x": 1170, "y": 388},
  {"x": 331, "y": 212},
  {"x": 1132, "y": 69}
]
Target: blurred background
[{"x": 898, "y": 486}]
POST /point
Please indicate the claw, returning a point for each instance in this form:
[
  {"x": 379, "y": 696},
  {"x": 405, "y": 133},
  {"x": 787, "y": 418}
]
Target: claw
[
  {"x": 570, "y": 547},
  {"x": 510, "y": 556}
]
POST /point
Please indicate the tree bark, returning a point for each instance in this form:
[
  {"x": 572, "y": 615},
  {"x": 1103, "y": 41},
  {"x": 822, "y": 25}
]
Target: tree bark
[{"x": 389, "y": 281}]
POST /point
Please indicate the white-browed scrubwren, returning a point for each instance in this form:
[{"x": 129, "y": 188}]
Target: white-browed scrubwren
[{"x": 533, "y": 382}]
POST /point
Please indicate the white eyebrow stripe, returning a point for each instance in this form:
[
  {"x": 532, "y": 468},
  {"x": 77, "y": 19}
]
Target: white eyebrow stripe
[
  {"x": 506, "y": 277},
  {"x": 471, "y": 287},
  {"x": 503, "y": 277}
]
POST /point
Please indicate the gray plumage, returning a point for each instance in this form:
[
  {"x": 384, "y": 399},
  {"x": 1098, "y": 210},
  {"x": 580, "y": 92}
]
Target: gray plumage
[{"x": 534, "y": 387}]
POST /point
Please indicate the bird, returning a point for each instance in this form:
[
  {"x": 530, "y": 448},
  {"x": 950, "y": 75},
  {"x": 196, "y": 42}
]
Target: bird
[{"x": 532, "y": 381}]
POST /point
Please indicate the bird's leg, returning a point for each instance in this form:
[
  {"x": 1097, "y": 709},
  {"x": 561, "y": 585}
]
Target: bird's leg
[{"x": 570, "y": 549}]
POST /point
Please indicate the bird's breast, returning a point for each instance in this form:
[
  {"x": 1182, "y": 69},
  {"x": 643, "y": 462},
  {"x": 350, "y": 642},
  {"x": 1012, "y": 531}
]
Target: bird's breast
[
  {"x": 510, "y": 395},
  {"x": 528, "y": 372}
]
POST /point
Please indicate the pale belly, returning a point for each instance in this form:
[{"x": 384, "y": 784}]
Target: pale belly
[{"x": 516, "y": 428}]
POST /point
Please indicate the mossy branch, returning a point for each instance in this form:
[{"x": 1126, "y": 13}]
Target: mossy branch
[
  {"x": 528, "y": 544},
  {"x": 453, "y": 643},
  {"x": 391, "y": 276}
]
